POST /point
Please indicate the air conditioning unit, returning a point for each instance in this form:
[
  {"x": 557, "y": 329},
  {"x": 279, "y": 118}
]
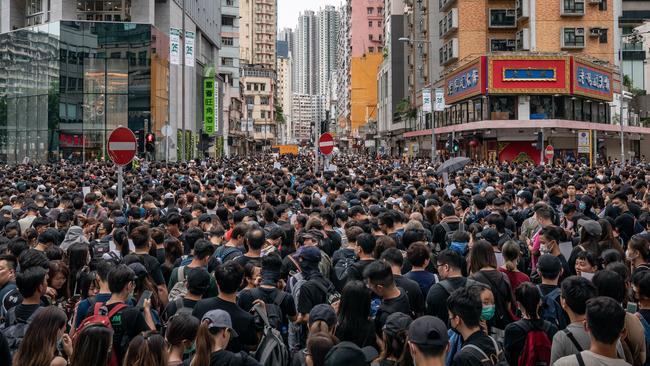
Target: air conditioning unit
[
  {"x": 511, "y": 43},
  {"x": 594, "y": 32},
  {"x": 580, "y": 31},
  {"x": 593, "y": 2},
  {"x": 511, "y": 13},
  {"x": 523, "y": 39}
]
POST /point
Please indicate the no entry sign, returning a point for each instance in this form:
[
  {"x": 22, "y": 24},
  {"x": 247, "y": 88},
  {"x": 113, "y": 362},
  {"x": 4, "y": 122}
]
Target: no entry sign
[
  {"x": 326, "y": 143},
  {"x": 122, "y": 145},
  {"x": 549, "y": 152}
]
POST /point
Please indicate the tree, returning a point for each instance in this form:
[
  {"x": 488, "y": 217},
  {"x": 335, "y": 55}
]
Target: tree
[{"x": 279, "y": 114}]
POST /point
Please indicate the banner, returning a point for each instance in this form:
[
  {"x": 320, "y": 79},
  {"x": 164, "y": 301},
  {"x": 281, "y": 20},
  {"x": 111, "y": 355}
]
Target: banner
[
  {"x": 208, "y": 106},
  {"x": 426, "y": 100},
  {"x": 439, "y": 105},
  {"x": 174, "y": 46},
  {"x": 189, "y": 49},
  {"x": 217, "y": 117}
]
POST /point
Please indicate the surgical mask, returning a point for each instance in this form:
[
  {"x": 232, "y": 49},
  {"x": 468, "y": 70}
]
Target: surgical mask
[
  {"x": 629, "y": 256},
  {"x": 544, "y": 249},
  {"x": 488, "y": 312},
  {"x": 460, "y": 248}
]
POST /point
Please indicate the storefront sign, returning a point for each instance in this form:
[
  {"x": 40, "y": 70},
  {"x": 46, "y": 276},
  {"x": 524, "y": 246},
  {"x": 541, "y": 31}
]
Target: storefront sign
[
  {"x": 208, "y": 106},
  {"x": 174, "y": 46},
  {"x": 426, "y": 100},
  {"x": 529, "y": 75},
  {"x": 439, "y": 104},
  {"x": 189, "y": 49},
  {"x": 466, "y": 82},
  {"x": 592, "y": 81}
]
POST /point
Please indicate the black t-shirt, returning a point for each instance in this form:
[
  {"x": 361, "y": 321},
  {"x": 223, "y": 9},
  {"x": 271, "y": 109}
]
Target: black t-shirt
[
  {"x": 471, "y": 357},
  {"x": 355, "y": 271},
  {"x": 440, "y": 235},
  {"x": 23, "y": 312},
  {"x": 242, "y": 321},
  {"x": 160, "y": 255},
  {"x": 311, "y": 294},
  {"x": 388, "y": 306},
  {"x": 414, "y": 293},
  {"x": 225, "y": 357},
  {"x": 150, "y": 263},
  {"x": 126, "y": 324},
  {"x": 268, "y": 295},
  {"x": 362, "y": 337},
  {"x": 244, "y": 260},
  {"x": 172, "y": 308},
  {"x": 437, "y": 297},
  {"x": 515, "y": 336},
  {"x": 5, "y": 353}
]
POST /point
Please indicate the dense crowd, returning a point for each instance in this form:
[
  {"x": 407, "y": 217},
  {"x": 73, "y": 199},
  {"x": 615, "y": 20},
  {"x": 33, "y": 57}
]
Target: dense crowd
[{"x": 262, "y": 261}]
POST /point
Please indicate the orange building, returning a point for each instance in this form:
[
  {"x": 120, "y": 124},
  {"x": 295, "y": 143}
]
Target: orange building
[{"x": 363, "y": 87}]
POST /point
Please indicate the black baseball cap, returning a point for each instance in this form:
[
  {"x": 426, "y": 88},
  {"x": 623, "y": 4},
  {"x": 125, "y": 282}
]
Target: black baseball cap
[
  {"x": 349, "y": 354},
  {"x": 397, "y": 322},
  {"x": 428, "y": 331},
  {"x": 489, "y": 234}
]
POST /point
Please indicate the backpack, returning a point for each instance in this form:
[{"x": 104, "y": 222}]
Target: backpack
[
  {"x": 101, "y": 317},
  {"x": 181, "y": 308},
  {"x": 445, "y": 284},
  {"x": 497, "y": 359},
  {"x": 273, "y": 310},
  {"x": 332, "y": 295},
  {"x": 180, "y": 288},
  {"x": 325, "y": 264},
  {"x": 449, "y": 234},
  {"x": 502, "y": 316},
  {"x": 14, "y": 329},
  {"x": 340, "y": 275},
  {"x": 537, "y": 348},
  {"x": 550, "y": 310},
  {"x": 99, "y": 248},
  {"x": 223, "y": 252},
  {"x": 272, "y": 351}
]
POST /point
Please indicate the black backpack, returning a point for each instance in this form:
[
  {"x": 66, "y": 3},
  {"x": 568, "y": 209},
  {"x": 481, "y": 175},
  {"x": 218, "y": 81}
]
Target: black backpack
[
  {"x": 14, "y": 329},
  {"x": 271, "y": 351},
  {"x": 273, "y": 310},
  {"x": 340, "y": 272}
]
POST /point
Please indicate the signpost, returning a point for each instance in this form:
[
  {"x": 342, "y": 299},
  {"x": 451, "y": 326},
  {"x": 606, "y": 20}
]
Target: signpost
[
  {"x": 549, "y": 152},
  {"x": 326, "y": 143},
  {"x": 122, "y": 146}
]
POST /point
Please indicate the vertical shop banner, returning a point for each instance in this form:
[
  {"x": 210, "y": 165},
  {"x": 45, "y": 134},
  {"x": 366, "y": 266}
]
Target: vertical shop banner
[
  {"x": 439, "y": 105},
  {"x": 174, "y": 46},
  {"x": 217, "y": 110},
  {"x": 209, "y": 106},
  {"x": 426, "y": 100},
  {"x": 189, "y": 49}
]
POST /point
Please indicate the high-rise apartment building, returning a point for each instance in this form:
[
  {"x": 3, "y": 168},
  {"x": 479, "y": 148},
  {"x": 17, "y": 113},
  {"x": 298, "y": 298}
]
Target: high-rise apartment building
[
  {"x": 306, "y": 54},
  {"x": 327, "y": 29},
  {"x": 108, "y": 64},
  {"x": 306, "y": 111},
  {"x": 366, "y": 27},
  {"x": 284, "y": 96},
  {"x": 258, "y": 30},
  {"x": 343, "y": 77},
  {"x": 228, "y": 69}
]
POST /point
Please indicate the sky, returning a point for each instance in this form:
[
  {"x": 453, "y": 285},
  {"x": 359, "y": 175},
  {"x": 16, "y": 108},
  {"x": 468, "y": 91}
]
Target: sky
[{"x": 289, "y": 10}]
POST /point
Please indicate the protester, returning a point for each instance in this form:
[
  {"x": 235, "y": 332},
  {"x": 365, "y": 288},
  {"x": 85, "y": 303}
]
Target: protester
[{"x": 181, "y": 334}]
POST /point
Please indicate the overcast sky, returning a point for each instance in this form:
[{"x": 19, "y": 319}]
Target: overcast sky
[{"x": 288, "y": 10}]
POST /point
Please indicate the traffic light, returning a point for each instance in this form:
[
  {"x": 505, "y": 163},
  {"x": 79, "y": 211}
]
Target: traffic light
[
  {"x": 450, "y": 144},
  {"x": 539, "y": 145},
  {"x": 150, "y": 143},
  {"x": 455, "y": 146}
]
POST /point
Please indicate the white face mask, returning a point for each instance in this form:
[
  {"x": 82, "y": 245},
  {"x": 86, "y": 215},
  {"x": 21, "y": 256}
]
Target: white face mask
[{"x": 544, "y": 249}]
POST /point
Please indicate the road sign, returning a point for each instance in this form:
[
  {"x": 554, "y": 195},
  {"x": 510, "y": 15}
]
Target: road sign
[
  {"x": 584, "y": 143},
  {"x": 122, "y": 146},
  {"x": 549, "y": 152},
  {"x": 326, "y": 143}
]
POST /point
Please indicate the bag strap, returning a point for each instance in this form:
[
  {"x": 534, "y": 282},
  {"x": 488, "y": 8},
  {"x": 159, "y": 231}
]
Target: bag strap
[
  {"x": 261, "y": 310},
  {"x": 295, "y": 262},
  {"x": 581, "y": 361},
  {"x": 446, "y": 286},
  {"x": 181, "y": 274},
  {"x": 97, "y": 308},
  {"x": 179, "y": 303},
  {"x": 445, "y": 226},
  {"x": 321, "y": 287},
  {"x": 279, "y": 297},
  {"x": 473, "y": 347},
  {"x": 573, "y": 340},
  {"x": 119, "y": 307}
]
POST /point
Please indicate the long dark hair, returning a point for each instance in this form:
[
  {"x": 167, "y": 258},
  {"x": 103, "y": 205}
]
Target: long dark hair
[
  {"x": 38, "y": 347},
  {"x": 77, "y": 260},
  {"x": 147, "y": 349},
  {"x": 92, "y": 346},
  {"x": 354, "y": 310},
  {"x": 121, "y": 240},
  {"x": 529, "y": 297},
  {"x": 182, "y": 327},
  {"x": 481, "y": 256},
  {"x": 204, "y": 344}
]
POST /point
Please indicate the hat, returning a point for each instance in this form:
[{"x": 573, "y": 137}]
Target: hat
[
  {"x": 219, "y": 319},
  {"x": 41, "y": 188},
  {"x": 168, "y": 196},
  {"x": 139, "y": 269},
  {"x": 121, "y": 221},
  {"x": 7, "y": 209},
  {"x": 205, "y": 218},
  {"x": 397, "y": 322},
  {"x": 489, "y": 234},
  {"x": 349, "y": 354},
  {"x": 309, "y": 254},
  {"x": 323, "y": 312},
  {"x": 592, "y": 227},
  {"x": 549, "y": 265},
  {"x": 467, "y": 192},
  {"x": 428, "y": 331}
]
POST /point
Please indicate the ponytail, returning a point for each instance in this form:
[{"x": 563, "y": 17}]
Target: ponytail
[
  {"x": 319, "y": 326},
  {"x": 204, "y": 343}
]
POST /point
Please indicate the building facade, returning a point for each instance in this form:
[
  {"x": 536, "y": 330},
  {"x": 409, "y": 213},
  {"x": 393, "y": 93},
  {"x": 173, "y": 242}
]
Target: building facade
[
  {"x": 306, "y": 55},
  {"x": 258, "y": 29},
  {"x": 259, "y": 100},
  {"x": 306, "y": 112},
  {"x": 128, "y": 40},
  {"x": 284, "y": 96},
  {"x": 229, "y": 71},
  {"x": 327, "y": 29}
]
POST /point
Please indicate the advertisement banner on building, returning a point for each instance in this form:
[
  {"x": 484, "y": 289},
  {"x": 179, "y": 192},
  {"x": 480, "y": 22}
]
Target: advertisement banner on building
[
  {"x": 534, "y": 74},
  {"x": 189, "y": 48},
  {"x": 426, "y": 100},
  {"x": 208, "y": 106},
  {"x": 439, "y": 104},
  {"x": 217, "y": 115},
  {"x": 174, "y": 46},
  {"x": 466, "y": 82},
  {"x": 592, "y": 80}
]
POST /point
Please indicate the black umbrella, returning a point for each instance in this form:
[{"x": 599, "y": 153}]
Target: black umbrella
[{"x": 453, "y": 164}]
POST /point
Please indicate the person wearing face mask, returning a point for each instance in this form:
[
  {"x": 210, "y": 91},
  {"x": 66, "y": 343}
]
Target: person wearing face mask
[
  {"x": 638, "y": 253},
  {"x": 543, "y": 215},
  {"x": 181, "y": 334},
  {"x": 529, "y": 331},
  {"x": 549, "y": 240}
]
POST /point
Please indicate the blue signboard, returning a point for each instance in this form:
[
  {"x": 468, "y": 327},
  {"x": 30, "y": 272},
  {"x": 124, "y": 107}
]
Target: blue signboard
[
  {"x": 593, "y": 80},
  {"x": 463, "y": 82},
  {"x": 529, "y": 74}
]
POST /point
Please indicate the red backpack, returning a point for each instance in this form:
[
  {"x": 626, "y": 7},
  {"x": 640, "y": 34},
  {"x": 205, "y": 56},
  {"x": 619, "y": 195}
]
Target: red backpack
[
  {"x": 537, "y": 348},
  {"x": 101, "y": 317}
]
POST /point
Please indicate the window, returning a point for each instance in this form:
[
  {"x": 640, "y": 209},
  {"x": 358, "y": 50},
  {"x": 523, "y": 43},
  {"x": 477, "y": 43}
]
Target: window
[
  {"x": 370, "y": 10},
  {"x": 250, "y": 100},
  {"x": 228, "y": 21},
  {"x": 227, "y": 41},
  {"x": 603, "y": 36},
  {"x": 573, "y": 7},
  {"x": 227, "y": 61},
  {"x": 502, "y": 45},
  {"x": 263, "y": 114},
  {"x": 573, "y": 38},
  {"x": 249, "y": 86},
  {"x": 602, "y": 5},
  {"x": 380, "y": 10},
  {"x": 264, "y": 100},
  {"x": 256, "y": 87},
  {"x": 263, "y": 87},
  {"x": 370, "y": 24},
  {"x": 371, "y": 49},
  {"x": 370, "y": 37},
  {"x": 230, "y": 2},
  {"x": 503, "y": 18}
]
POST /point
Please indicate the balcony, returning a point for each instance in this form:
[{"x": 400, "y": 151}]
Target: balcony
[
  {"x": 503, "y": 18},
  {"x": 448, "y": 53}
]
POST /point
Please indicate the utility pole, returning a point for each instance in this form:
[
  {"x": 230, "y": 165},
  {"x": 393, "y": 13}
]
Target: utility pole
[{"x": 183, "y": 142}]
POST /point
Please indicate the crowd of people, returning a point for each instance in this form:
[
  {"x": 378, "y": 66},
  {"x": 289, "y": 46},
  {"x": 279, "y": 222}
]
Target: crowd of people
[{"x": 261, "y": 260}]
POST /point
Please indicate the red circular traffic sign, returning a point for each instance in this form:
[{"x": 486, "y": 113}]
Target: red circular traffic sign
[
  {"x": 122, "y": 145},
  {"x": 326, "y": 143},
  {"x": 549, "y": 152}
]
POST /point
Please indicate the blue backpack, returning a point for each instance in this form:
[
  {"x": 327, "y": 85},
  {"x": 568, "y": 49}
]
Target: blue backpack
[{"x": 550, "y": 310}]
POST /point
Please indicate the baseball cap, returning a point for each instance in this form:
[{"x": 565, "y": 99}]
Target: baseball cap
[
  {"x": 549, "y": 265},
  {"x": 309, "y": 254},
  {"x": 349, "y": 354},
  {"x": 139, "y": 269},
  {"x": 323, "y": 312},
  {"x": 592, "y": 227},
  {"x": 467, "y": 192},
  {"x": 168, "y": 195},
  {"x": 428, "y": 331},
  {"x": 397, "y": 322},
  {"x": 489, "y": 234},
  {"x": 219, "y": 319}
]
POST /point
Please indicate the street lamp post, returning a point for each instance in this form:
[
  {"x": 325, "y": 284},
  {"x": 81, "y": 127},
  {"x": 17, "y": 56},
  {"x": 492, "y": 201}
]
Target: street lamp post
[{"x": 433, "y": 130}]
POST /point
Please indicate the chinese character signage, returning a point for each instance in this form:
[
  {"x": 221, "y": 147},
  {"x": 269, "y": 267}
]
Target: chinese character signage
[
  {"x": 174, "y": 46},
  {"x": 534, "y": 74},
  {"x": 426, "y": 100},
  {"x": 439, "y": 105},
  {"x": 466, "y": 82},
  {"x": 189, "y": 49},
  {"x": 592, "y": 81},
  {"x": 209, "y": 108}
]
